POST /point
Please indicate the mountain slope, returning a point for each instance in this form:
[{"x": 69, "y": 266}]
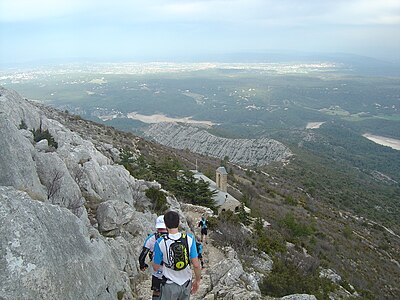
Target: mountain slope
[
  {"x": 255, "y": 152},
  {"x": 72, "y": 221},
  {"x": 362, "y": 252}
]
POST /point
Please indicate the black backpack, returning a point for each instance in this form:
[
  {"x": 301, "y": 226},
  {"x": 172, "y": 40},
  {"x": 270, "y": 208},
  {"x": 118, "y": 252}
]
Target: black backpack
[{"x": 177, "y": 253}]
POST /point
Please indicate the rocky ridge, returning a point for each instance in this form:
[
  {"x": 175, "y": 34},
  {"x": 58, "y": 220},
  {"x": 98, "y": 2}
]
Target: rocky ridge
[
  {"x": 247, "y": 152},
  {"x": 51, "y": 248}
]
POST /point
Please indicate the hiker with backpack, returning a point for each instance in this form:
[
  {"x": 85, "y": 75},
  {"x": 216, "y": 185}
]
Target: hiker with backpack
[
  {"x": 176, "y": 251},
  {"x": 148, "y": 248},
  {"x": 199, "y": 247},
  {"x": 203, "y": 225}
]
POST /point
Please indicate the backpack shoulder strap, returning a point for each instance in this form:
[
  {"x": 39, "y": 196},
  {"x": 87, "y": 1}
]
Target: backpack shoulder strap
[{"x": 185, "y": 242}]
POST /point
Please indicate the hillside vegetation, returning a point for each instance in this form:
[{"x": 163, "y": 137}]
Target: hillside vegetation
[{"x": 361, "y": 250}]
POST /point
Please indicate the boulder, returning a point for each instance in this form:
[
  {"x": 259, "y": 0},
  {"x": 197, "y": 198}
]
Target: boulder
[
  {"x": 42, "y": 145},
  {"x": 262, "y": 264},
  {"x": 113, "y": 214},
  {"x": 47, "y": 253},
  {"x": 17, "y": 167},
  {"x": 110, "y": 182},
  {"x": 17, "y": 109},
  {"x": 230, "y": 281}
]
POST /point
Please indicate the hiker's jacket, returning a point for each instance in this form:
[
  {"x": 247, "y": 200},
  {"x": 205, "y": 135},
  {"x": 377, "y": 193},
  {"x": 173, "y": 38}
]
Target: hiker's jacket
[{"x": 148, "y": 246}]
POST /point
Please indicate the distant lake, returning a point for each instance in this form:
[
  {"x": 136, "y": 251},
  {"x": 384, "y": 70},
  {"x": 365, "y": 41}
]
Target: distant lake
[{"x": 381, "y": 140}]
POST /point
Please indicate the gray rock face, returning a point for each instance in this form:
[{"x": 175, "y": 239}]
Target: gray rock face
[
  {"x": 331, "y": 275},
  {"x": 113, "y": 214},
  {"x": 262, "y": 265},
  {"x": 110, "y": 182},
  {"x": 230, "y": 281},
  {"x": 17, "y": 109},
  {"x": 17, "y": 167},
  {"x": 81, "y": 166},
  {"x": 240, "y": 151},
  {"x": 61, "y": 187},
  {"x": 299, "y": 297},
  {"x": 46, "y": 253},
  {"x": 53, "y": 254}
]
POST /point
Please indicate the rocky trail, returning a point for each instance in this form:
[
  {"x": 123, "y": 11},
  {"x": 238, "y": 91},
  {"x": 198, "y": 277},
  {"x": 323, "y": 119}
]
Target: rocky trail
[{"x": 211, "y": 256}]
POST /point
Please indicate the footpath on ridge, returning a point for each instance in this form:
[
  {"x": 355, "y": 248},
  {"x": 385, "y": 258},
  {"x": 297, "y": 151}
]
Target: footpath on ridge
[{"x": 211, "y": 256}]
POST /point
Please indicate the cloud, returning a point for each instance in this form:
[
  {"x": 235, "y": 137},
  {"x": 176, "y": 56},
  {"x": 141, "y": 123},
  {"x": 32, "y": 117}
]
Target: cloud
[
  {"x": 27, "y": 10},
  {"x": 91, "y": 27},
  {"x": 271, "y": 12},
  {"x": 367, "y": 12}
]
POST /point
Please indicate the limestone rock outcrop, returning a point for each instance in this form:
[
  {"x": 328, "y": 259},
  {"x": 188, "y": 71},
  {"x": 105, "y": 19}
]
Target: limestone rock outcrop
[
  {"x": 18, "y": 168},
  {"x": 230, "y": 281},
  {"x": 111, "y": 215},
  {"x": 247, "y": 152},
  {"x": 46, "y": 252},
  {"x": 51, "y": 251}
]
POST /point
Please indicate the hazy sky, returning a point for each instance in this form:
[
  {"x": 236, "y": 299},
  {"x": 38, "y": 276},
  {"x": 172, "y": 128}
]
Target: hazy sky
[{"x": 133, "y": 30}]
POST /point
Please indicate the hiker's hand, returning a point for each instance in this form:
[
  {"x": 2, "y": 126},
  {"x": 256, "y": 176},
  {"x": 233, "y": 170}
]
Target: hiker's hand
[
  {"x": 195, "y": 286},
  {"x": 144, "y": 267}
]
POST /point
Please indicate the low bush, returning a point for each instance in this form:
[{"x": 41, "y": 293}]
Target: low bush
[
  {"x": 158, "y": 199},
  {"x": 23, "y": 125},
  {"x": 39, "y": 134},
  {"x": 287, "y": 278},
  {"x": 295, "y": 228}
]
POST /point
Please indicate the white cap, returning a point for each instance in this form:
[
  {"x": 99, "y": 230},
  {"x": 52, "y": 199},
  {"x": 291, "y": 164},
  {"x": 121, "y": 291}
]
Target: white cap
[{"x": 160, "y": 222}]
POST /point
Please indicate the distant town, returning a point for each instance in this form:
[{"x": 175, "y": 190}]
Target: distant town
[{"x": 16, "y": 75}]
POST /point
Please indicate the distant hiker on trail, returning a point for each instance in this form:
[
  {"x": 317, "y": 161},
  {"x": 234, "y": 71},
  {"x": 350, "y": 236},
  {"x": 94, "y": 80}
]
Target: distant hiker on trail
[
  {"x": 176, "y": 251},
  {"x": 203, "y": 226},
  {"x": 148, "y": 248},
  {"x": 199, "y": 248}
]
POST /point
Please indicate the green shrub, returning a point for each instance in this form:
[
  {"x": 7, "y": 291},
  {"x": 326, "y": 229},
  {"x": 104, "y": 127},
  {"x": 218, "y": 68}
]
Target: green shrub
[
  {"x": 244, "y": 217},
  {"x": 212, "y": 223},
  {"x": 347, "y": 232},
  {"x": 228, "y": 229},
  {"x": 23, "y": 125},
  {"x": 229, "y": 216},
  {"x": 158, "y": 199},
  {"x": 268, "y": 240},
  {"x": 287, "y": 278},
  {"x": 39, "y": 134},
  {"x": 120, "y": 295},
  {"x": 295, "y": 228},
  {"x": 290, "y": 200}
]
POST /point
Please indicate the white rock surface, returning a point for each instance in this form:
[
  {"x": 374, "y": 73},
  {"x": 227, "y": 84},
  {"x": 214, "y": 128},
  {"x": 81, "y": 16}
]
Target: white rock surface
[
  {"x": 17, "y": 167},
  {"x": 240, "y": 151}
]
